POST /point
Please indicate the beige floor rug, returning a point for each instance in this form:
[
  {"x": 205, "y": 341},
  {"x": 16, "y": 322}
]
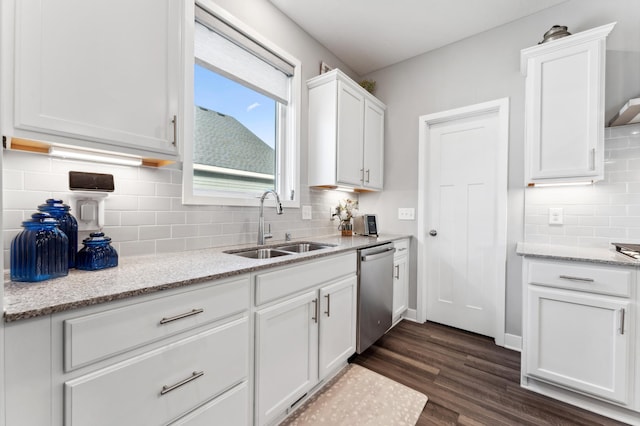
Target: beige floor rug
[{"x": 358, "y": 396}]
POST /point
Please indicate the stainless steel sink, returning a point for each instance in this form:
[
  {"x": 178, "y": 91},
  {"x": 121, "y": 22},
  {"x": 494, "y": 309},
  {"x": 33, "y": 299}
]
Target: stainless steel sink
[
  {"x": 282, "y": 250},
  {"x": 260, "y": 253},
  {"x": 304, "y": 247}
]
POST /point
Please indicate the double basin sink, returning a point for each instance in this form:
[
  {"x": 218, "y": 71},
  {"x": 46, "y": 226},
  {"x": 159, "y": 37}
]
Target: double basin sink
[{"x": 280, "y": 250}]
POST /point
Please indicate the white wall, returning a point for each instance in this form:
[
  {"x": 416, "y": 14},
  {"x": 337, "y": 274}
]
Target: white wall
[{"x": 482, "y": 68}]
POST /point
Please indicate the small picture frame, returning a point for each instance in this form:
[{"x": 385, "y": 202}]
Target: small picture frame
[{"x": 324, "y": 67}]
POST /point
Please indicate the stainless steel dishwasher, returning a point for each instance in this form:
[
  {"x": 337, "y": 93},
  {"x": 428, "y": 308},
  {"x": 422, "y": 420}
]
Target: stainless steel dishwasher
[{"x": 375, "y": 294}]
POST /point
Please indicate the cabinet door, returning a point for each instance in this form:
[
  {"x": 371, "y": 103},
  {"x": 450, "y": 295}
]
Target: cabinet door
[
  {"x": 350, "y": 135},
  {"x": 400, "y": 287},
  {"x": 580, "y": 341},
  {"x": 373, "y": 145},
  {"x": 286, "y": 354},
  {"x": 107, "y": 72},
  {"x": 337, "y": 324},
  {"x": 565, "y": 113}
]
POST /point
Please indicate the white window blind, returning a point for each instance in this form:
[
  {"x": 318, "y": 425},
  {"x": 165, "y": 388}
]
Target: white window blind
[{"x": 242, "y": 58}]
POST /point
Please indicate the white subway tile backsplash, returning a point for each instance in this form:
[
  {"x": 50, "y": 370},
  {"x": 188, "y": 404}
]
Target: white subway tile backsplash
[
  {"x": 154, "y": 232},
  {"x": 596, "y": 215},
  {"x": 145, "y": 214},
  {"x": 137, "y": 218},
  {"x": 154, "y": 204},
  {"x": 24, "y": 200}
]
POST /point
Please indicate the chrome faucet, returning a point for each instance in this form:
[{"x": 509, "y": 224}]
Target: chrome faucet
[{"x": 261, "y": 234}]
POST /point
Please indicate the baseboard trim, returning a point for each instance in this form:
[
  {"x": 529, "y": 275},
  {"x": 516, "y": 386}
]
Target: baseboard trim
[
  {"x": 513, "y": 342},
  {"x": 411, "y": 315}
]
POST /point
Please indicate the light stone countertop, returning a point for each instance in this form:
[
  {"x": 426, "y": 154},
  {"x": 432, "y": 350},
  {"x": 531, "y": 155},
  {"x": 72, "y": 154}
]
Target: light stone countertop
[
  {"x": 148, "y": 274},
  {"x": 595, "y": 255}
]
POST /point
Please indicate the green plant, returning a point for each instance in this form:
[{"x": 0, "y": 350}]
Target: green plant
[{"x": 368, "y": 85}]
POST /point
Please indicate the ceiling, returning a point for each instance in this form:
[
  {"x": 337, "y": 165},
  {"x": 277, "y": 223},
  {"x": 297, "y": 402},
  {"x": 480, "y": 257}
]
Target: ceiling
[{"x": 371, "y": 34}]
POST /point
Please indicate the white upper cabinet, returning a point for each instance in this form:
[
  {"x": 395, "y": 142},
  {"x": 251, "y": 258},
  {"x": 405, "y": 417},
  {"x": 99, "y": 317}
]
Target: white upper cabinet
[
  {"x": 564, "y": 108},
  {"x": 346, "y": 134},
  {"x": 97, "y": 74}
]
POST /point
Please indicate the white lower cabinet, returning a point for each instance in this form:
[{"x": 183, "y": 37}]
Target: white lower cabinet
[
  {"x": 181, "y": 356},
  {"x": 581, "y": 342},
  {"x": 337, "y": 324},
  {"x": 163, "y": 384},
  {"x": 579, "y": 334},
  {"x": 286, "y": 354},
  {"x": 400, "y": 279},
  {"x": 303, "y": 337}
]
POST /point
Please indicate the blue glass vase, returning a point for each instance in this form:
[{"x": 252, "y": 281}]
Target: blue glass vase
[
  {"x": 40, "y": 251},
  {"x": 67, "y": 223},
  {"x": 97, "y": 253}
]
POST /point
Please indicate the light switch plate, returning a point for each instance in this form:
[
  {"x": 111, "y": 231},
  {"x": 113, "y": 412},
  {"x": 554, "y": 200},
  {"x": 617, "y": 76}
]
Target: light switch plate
[
  {"x": 406, "y": 213},
  {"x": 306, "y": 213},
  {"x": 556, "y": 216}
]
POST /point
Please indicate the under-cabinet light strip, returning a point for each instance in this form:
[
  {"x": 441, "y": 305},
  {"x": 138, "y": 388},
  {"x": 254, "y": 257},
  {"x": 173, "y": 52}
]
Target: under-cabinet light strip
[{"x": 73, "y": 154}]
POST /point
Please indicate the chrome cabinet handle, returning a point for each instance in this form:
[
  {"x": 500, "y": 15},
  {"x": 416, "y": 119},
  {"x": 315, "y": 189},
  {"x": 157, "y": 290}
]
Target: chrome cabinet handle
[
  {"x": 168, "y": 388},
  {"x": 315, "y": 311},
  {"x": 622, "y": 312},
  {"x": 175, "y": 130},
  {"x": 572, "y": 278},
  {"x": 181, "y": 316},
  {"x": 397, "y": 276},
  {"x": 362, "y": 177},
  {"x": 328, "y": 311},
  {"x": 593, "y": 159},
  {"x": 433, "y": 232},
  {"x": 367, "y": 176}
]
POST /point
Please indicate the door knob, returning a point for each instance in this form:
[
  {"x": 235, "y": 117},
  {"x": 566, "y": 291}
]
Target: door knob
[{"x": 433, "y": 232}]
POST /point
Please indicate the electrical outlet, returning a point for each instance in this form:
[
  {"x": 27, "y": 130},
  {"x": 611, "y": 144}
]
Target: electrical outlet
[
  {"x": 556, "y": 216},
  {"x": 306, "y": 213},
  {"x": 408, "y": 213}
]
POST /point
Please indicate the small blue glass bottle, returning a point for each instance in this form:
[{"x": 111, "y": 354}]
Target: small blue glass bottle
[
  {"x": 40, "y": 251},
  {"x": 97, "y": 253},
  {"x": 67, "y": 223}
]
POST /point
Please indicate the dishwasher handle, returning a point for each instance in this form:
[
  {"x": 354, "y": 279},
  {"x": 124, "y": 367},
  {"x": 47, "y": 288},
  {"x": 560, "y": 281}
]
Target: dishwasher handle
[{"x": 378, "y": 255}]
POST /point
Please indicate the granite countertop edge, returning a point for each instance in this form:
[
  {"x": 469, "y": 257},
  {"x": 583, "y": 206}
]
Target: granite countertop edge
[
  {"x": 142, "y": 275},
  {"x": 583, "y": 254}
]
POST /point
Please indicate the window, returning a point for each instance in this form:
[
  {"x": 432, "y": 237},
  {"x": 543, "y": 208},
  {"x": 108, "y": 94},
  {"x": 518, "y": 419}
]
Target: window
[{"x": 244, "y": 115}]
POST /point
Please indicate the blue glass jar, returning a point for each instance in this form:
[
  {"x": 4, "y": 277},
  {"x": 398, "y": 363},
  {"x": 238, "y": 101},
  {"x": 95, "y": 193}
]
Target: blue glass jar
[
  {"x": 97, "y": 253},
  {"x": 40, "y": 251},
  {"x": 67, "y": 223}
]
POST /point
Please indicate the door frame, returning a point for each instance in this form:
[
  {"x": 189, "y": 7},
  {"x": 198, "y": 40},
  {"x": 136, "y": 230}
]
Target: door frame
[{"x": 501, "y": 108}]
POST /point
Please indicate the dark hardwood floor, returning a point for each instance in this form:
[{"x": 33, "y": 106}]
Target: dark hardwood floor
[{"x": 468, "y": 379}]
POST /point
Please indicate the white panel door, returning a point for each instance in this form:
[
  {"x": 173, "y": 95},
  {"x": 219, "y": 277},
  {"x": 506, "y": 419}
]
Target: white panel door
[
  {"x": 373, "y": 145},
  {"x": 462, "y": 225},
  {"x": 286, "y": 354},
  {"x": 337, "y": 324},
  {"x": 581, "y": 341},
  {"x": 350, "y": 135}
]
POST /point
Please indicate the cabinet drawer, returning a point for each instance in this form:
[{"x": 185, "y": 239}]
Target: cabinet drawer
[
  {"x": 402, "y": 247},
  {"x": 274, "y": 285},
  {"x": 163, "y": 384},
  {"x": 602, "y": 279},
  {"x": 230, "y": 408},
  {"x": 97, "y": 336}
]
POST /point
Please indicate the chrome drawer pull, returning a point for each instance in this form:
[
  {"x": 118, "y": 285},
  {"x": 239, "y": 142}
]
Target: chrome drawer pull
[
  {"x": 315, "y": 311},
  {"x": 569, "y": 277},
  {"x": 328, "y": 311},
  {"x": 175, "y": 130},
  {"x": 397, "y": 275},
  {"x": 622, "y": 312},
  {"x": 194, "y": 375},
  {"x": 180, "y": 316}
]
